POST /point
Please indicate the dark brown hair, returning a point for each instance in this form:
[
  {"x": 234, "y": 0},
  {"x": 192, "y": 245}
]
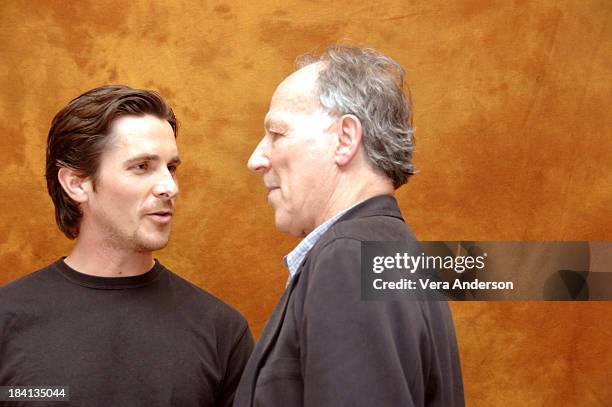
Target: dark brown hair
[{"x": 79, "y": 134}]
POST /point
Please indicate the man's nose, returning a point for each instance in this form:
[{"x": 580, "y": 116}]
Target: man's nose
[
  {"x": 259, "y": 160},
  {"x": 166, "y": 186}
]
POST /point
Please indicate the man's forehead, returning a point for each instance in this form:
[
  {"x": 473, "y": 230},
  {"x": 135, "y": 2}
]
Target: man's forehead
[
  {"x": 135, "y": 134},
  {"x": 296, "y": 94},
  {"x": 277, "y": 118},
  {"x": 304, "y": 76}
]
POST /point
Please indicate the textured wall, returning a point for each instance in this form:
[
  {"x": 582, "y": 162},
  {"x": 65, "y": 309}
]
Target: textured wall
[{"x": 513, "y": 119}]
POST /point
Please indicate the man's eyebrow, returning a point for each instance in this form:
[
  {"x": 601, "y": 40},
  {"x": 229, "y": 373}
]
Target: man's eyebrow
[
  {"x": 150, "y": 157},
  {"x": 274, "y": 122}
]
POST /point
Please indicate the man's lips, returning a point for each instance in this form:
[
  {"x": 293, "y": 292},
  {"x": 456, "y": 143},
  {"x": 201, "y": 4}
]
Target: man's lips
[
  {"x": 161, "y": 216},
  {"x": 270, "y": 189}
]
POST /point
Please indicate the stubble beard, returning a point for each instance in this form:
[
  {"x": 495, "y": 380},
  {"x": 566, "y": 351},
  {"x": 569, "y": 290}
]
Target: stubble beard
[{"x": 138, "y": 241}]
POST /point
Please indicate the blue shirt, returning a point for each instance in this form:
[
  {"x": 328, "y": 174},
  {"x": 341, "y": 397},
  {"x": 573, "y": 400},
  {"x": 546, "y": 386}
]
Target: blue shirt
[{"x": 294, "y": 259}]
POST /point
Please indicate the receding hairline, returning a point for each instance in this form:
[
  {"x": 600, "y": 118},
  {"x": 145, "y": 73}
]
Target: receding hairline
[{"x": 298, "y": 92}]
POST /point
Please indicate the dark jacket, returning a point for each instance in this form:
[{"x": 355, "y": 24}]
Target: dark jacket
[{"x": 325, "y": 346}]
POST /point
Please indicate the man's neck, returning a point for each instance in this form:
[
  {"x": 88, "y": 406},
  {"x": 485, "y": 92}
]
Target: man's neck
[
  {"x": 104, "y": 261},
  {"x": 343, "y": 198},
  {"x": 347, "y": 194}
]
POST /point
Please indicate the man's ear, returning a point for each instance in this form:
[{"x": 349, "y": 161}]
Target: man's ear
[
  {"x": 74, "y": 184},
  {"x": 349, "y": 139}
]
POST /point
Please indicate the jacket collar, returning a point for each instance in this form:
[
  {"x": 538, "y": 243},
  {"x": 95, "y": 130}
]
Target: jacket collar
[{"x": 376, "y": 206}]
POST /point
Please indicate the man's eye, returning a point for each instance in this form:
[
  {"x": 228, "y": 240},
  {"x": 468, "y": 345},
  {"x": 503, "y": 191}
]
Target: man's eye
[
  {"x": 275, "y": 134},
  {"x": 172, "y": 169},
  {"x": 141, "y": 166}
]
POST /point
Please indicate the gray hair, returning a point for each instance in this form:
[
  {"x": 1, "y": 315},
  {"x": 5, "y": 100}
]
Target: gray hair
[{"x": 369, "y": 85}]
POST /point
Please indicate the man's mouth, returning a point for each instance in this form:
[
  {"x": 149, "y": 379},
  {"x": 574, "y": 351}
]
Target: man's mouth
[{"x": 161, "y": 216}]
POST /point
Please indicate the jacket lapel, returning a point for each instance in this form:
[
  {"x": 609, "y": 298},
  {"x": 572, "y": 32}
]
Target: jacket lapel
[{"x": 268, "y": 337}]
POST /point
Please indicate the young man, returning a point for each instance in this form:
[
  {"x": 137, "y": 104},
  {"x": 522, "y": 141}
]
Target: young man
[
  {"x": 109, "y": 321},
  {"x": 338, "y": 141}
]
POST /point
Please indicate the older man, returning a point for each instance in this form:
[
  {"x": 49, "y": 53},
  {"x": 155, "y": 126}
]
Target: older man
[
  {"x": 109, "y": 321},
  {"x": 338, "y": 142}
]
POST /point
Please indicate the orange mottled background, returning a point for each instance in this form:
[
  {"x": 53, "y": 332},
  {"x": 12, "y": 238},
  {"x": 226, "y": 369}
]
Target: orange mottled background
[{"x": 514, "y": 142}]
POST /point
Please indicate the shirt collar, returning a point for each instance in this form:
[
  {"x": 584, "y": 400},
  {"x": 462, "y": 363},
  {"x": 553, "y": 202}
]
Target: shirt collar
[{"x": 294, "y": 259}]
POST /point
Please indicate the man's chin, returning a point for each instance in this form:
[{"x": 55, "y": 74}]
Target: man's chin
[
  {"x": 281, "y": 222},
  {"x": 288, "y": 228},
  {"x": 151, "y": 244}
]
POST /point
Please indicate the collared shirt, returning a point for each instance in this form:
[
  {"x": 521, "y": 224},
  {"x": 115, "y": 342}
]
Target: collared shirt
[{"x": 294, "y": 259}]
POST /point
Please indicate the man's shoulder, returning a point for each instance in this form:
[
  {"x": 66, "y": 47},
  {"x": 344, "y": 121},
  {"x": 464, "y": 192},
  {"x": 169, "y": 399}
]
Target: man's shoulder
[
  {"x": 30, "y": 282},
  {"x": 199, "y": 299},
  {"x": 28, "y": 293}
]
